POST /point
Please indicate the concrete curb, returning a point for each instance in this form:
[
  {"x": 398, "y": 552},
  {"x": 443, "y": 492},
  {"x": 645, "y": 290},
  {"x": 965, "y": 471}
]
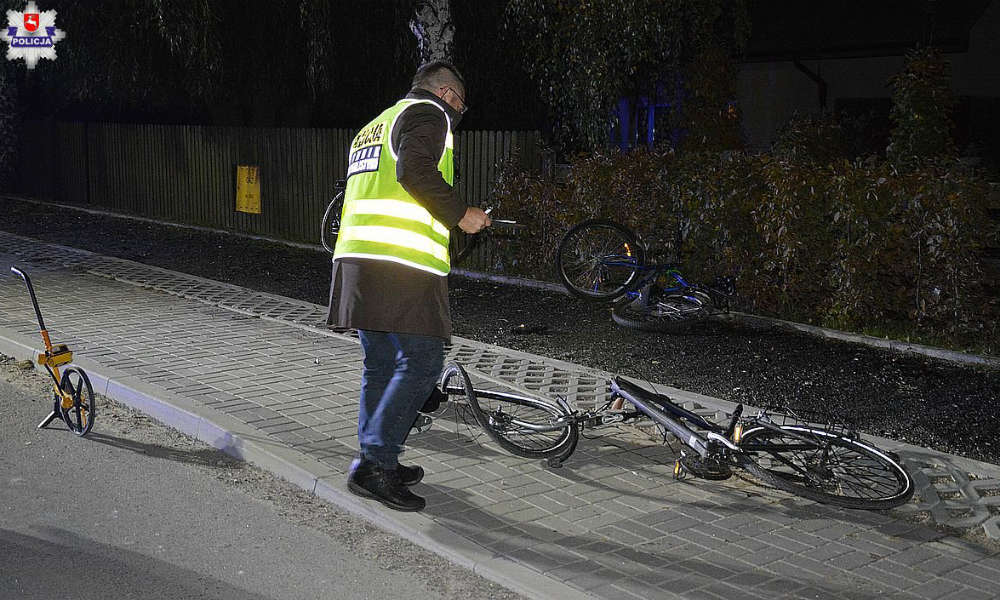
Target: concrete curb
[
  {"x": 240, "y": 441},
  {"x": 508, "y": 280},
  {"x": 867, "y": 340}
]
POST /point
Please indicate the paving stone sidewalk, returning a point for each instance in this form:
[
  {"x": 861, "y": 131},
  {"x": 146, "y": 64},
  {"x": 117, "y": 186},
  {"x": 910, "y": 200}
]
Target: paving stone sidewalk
[{"x": 260, "y": 376}]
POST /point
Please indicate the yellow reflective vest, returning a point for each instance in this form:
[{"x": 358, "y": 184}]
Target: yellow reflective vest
[{"x": 380, "y": 220}]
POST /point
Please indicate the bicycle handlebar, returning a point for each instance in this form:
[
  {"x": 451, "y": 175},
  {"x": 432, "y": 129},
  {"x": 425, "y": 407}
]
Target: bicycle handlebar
[{"x": 504, "y": 224}]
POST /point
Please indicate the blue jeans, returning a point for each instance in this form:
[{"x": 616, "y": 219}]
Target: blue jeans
[{"x": 400, "y": 370}]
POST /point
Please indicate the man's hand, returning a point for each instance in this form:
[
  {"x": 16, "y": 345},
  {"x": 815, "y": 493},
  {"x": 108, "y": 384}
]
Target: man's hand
[{"x": 474, "y": 220}]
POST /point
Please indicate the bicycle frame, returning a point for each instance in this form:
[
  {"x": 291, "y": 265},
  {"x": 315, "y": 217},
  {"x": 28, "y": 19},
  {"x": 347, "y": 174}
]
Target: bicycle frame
[
  {"x": 665, "y": 412},
  {"x": 826, "y": 463},
  {"x": 671, "y": 416},
  {"x": 648, "y": 273},
  {"x": 661, "y": 409}
]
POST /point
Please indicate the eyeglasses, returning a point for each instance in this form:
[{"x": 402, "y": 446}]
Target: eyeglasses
[{"x": 464, "y": 106}]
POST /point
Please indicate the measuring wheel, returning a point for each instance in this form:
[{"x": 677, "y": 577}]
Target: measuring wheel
[
  {"x": 73, "y": 397},
  {"x": 77, "y": 404}
]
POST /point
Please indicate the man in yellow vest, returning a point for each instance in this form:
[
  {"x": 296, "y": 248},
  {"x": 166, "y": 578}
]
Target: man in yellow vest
[{"x": 390, "y": 268}]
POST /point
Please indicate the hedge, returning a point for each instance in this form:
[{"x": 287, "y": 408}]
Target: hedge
[{"x": 855, "y": 245}]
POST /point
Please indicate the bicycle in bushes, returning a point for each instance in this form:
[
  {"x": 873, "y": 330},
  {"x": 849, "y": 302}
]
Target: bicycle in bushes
[
  {"x": 828, "y": 463},
  {"x": 605, "y": 261}
]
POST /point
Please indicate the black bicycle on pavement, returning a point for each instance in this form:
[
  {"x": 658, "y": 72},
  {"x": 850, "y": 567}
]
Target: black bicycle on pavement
[
  {"x": 461, "y": 246},
  {"x": 330, "y": 224},
  {"x": 605, "y": 261},
  {"x": 828, "y": 463}
]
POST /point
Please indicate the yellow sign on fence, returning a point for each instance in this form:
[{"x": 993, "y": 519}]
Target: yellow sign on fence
[{"x": 248, "y": 189}]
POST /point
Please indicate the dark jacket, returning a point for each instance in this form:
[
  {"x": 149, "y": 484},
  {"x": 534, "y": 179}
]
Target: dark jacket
[{"x": 384, "y": 296}]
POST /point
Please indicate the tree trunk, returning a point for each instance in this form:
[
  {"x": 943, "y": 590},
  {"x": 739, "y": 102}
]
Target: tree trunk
[{"x": 434, "y": 30}]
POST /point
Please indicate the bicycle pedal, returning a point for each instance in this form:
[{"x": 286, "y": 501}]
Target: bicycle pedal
[
  {"x": 679, "y": 470},
  {"x": 422, "y": 424}
]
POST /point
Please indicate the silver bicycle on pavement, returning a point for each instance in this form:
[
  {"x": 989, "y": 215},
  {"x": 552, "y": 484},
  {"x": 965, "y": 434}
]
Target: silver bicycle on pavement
[{"x": 828, "y": 463}]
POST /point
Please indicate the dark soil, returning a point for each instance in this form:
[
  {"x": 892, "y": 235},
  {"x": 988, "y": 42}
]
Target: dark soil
[{"x": 921, "y": 401}]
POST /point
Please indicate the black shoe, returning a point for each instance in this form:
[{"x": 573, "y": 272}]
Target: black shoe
[
  {"x": 407, "y": 475},
  {"x": 384, "y": 486},
  {"x": 410, "y": 475},
  {"x": 434, "y": 401}
]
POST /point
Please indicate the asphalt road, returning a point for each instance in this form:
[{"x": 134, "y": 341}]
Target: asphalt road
[{"x": 137, "y": 510}]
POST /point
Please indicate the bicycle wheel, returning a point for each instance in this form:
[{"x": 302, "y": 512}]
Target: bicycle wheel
[
  {"x": 599, "y": 259},
  {"x": 523, "y": 426},
  {"x": 824, "y": 466},
  {"x": 330, "y": 226},
  {"x": 668, "y": 313},
  {"x": 81, "y": 415}
]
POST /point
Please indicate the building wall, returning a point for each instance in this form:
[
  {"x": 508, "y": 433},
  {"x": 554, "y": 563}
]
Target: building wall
[
  {"x": 770, "y": 93},
  {"x": 977, "y": 73}
]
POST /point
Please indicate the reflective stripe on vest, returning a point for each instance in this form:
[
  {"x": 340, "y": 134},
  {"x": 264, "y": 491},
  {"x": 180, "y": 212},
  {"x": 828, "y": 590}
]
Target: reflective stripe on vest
[{"x": 380, "y": 219}]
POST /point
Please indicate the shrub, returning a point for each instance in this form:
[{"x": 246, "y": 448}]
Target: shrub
[
  {"x": 852, "y": 244},
  {"x": 911, "y": 246},
  {"x": 922, "y": 104},
  {"x": 709, "y": 112},
  {"x": 541, "y": 206},
  {"x": 826, "y": 138}
]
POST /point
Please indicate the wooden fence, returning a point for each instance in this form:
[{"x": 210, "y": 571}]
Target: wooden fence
[{"x": 187, "y": 174}]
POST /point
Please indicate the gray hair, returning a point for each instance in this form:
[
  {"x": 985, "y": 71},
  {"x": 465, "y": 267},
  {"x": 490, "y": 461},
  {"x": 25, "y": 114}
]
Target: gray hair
[{"x": 438, "y": 74}]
